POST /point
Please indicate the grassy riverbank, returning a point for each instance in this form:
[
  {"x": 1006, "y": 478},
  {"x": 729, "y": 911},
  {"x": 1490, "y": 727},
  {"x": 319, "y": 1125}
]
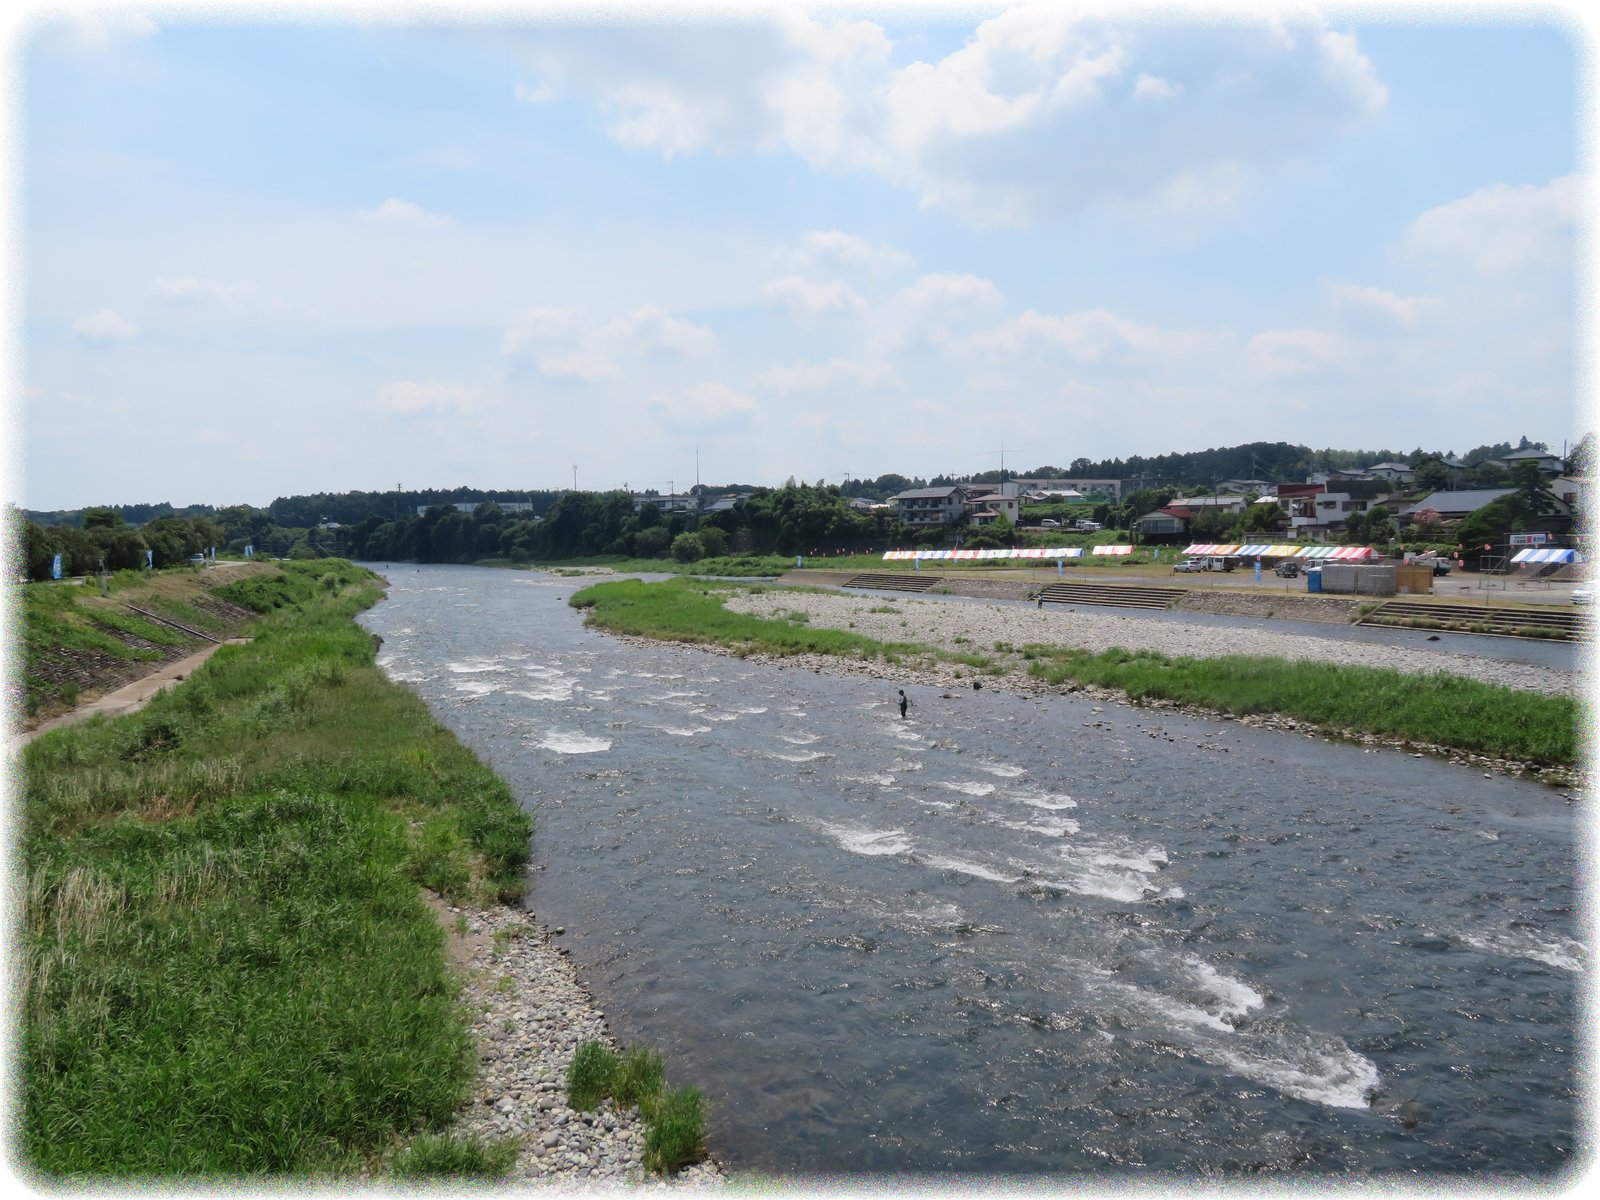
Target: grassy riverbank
[
  {"x": 1428, "y": 710},
  {"x": 227, "y": 966}
]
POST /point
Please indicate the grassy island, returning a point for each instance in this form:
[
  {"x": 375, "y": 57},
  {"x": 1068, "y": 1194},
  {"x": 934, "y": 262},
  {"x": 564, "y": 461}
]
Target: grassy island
[{"x": 1428, "y": 710}]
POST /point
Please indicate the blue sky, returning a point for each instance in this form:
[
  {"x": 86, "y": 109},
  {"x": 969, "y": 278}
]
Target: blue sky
[{"x": 271, "y": 253}]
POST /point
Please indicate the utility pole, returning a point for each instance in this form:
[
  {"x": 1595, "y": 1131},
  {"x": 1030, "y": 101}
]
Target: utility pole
[{"x": 574, "y": 476}]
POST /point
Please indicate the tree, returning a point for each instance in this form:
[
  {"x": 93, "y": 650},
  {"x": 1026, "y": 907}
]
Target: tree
[
  {"x": 1580, "y": 459},
  {"x": 687, "y": 548},
  {"x": 101, "y": 518},
  {"x": 1379, "y": 525},
  {"x": 1528, "y": 479},
  {"x": 713, "y": 541},
  {"x": 1431, "y": 473}
]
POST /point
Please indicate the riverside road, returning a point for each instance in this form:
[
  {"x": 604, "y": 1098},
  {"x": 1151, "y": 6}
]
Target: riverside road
[{"x": 1021, "y": 936}]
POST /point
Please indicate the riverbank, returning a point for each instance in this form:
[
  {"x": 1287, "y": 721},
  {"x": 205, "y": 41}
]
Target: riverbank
[
  {"x": 228, "y": 966},
  {"x": 1370, "y": 695}
]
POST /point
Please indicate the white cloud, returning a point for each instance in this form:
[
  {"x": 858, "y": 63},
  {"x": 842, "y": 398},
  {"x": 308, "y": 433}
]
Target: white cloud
[
  {"x": 950, "y": 290},
  {"x": 1237, "y": 95},
  {"x": 1277, "y": 353},
  {"x": 407, "y": 396},
  {"x": 836, "y": 375},
  {"x": 401, "y": 212},
  {"x": 1394, "y": 310},
  {"x": 809, "y": 298},
  {"x": 706, "y": 404},
  {"x": 189, "y": 290},
  {"x": 104, "y": 327},
  {"x": 1153, "y": 87},
  {"x": 1501, "y": 229},
  {"x": 831, "y": 246},
  {"x": 537, "y": 93},
  {"x": 572, "y": 344},
  {"x": 84, "y": 29},
  {"x": 1098, "y": 336}
]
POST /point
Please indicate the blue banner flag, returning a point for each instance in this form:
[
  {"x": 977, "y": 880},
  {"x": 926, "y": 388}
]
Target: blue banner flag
[
  {"x": 55, "y": 567},
  {"x": 149, "y": 560},
  {"x": 249, "y": 551}
]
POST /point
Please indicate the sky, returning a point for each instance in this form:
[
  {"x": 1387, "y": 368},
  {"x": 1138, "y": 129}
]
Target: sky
[{"x": 266, "y": 251}]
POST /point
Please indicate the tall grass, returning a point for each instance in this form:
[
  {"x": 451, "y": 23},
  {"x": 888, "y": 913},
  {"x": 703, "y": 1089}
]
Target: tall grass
[{"x": 227, "y": 967}]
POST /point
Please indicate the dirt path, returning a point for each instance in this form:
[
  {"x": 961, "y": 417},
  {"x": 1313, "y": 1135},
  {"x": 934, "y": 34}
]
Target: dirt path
[{"x": 130, "y": 697}]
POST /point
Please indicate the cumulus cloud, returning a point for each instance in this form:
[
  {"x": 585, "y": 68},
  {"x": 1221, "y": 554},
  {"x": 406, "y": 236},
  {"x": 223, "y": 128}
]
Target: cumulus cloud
[
  {"x": 187, "y": 290},
  {"x": 104, "y": 327},
  {"x": 573, "y": 344},
  {"x": 408, "y": 396},
  {"x": 812, "y": 298},
  {"x": 950, "y": 290},
  {"x": 702, "y": 406},
  {"x": 1277, "y": 353},
  {"x": 1500, "y": 229},
  {"x": 401, "y": 212},
  {"x": 836, "y": 375},
  {"x": 1374, "y": 306},
  {"x": 835, "y": 248},
  {"x": 1098, "y": 336},
  {"x": 1126, "y": 107}
]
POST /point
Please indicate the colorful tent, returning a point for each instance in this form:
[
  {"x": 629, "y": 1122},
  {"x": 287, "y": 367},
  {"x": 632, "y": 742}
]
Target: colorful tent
[
  {"x": 1546, "y": 556},
  {"x": 1112, "y": 550}
]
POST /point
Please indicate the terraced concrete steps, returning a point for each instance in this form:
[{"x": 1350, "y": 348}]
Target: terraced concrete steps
[
  {"x": 893, "y": 581},
  {"x": 1116, "y": 595},
  {"x": 1476, "y": 618}
]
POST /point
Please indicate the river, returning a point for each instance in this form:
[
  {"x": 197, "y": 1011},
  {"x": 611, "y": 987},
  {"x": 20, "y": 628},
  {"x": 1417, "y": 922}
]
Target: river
[{"x": 1013, "y": 936}]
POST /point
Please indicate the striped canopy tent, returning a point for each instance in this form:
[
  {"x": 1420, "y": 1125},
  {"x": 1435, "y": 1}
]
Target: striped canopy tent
[
  {"x": 1112, "y": 549},
  {"x": 1337, "y": 553},
  {"x": 1212, "y": 548},
  {"x": 1546, "y": 556},
  {"x": 996, "y": 552},
  {"x": 899, "y": 555},
  {"x": 1265, "y": 551}
]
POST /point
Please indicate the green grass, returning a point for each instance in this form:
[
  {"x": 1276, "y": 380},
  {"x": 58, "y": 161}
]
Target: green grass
[
  {"x": 674, "y": 1120},
  {"x": 435, "y": 1156},
  {"x": 1441, "y": 710},
  {"x": 225, "y": 961},
  {"x": 686, "y": 610},
  {"x": 1438, "y": 709}
]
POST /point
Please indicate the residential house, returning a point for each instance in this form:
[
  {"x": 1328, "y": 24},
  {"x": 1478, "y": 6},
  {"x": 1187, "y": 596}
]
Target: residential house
[
  {"x": 1110, "y": 488},
  {"x": 1392, "y": 472},
  {"x": 1550, "y": 464},
  {"x": 923, "y": 507},
  {"x": 1457, "y": 506},
  {"x": 1169, "y": 522}
]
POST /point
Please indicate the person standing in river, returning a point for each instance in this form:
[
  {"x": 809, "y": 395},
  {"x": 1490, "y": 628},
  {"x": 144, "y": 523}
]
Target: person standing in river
[{"x": 903, "y": 703}]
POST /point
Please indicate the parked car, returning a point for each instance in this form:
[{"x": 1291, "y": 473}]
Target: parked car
[
  {"x": 1583, "y": 594},
  {"x": 1089, "y": 526},
  {"x": 1440, "y": 567},
  {"x": 1190, "y": 564},
  {"x": 1050, "y": 523},
  {"x": 1289, "y": 568}
]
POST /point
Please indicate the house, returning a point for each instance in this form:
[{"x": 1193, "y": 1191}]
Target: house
[
  {"x": 1110, "y": 488},
  {"x": 1550, "y": 464},
  {"x": 1457, "y": 506},
  {"x": 981, "y": 503},
  {"x": 923, "y": 507},
  {"x": 1243, "y": 487},
  {"x": 1225, "y": 504},
  {"x": 1163, "y": 523},
  {"x": 1392, "y": 472}
]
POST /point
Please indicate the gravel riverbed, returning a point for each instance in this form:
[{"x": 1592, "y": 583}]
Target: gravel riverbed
[
  {"x": 531, "y": 1014},
  {"x": 978, "y": 627}
]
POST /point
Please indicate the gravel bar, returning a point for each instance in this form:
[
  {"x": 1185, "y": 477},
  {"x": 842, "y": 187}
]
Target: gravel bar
[{"x": 980, "y": 626}]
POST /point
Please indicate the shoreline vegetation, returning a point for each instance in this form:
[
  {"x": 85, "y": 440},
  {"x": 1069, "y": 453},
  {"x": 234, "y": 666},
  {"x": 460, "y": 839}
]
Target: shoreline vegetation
[
  {"x": 229, "y": 962},
  {"x": 1488, "y": 724}
]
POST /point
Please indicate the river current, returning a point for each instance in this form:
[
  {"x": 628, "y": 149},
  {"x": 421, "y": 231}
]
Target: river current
[{"x": 1014, "y": 936}]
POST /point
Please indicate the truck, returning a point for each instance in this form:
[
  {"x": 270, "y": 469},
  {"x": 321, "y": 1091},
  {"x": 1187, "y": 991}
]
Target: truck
[{"x": 1088, "y": 526}]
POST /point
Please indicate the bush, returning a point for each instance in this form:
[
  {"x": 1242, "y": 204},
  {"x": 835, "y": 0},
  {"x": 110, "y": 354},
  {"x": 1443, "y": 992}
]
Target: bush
[
  {"x": 687, "y": 547},
  {"x": 674, "y": 1123}
]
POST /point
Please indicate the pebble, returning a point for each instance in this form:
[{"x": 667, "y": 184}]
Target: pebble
[{"x": 525, "y": 1034}]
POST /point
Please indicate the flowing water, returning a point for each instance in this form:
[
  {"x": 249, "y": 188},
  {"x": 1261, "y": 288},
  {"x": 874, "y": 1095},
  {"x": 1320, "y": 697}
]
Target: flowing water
[{"x": 1011, "y": 935}]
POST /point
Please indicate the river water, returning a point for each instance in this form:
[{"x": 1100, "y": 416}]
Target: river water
[{"x": 1021, "y": 936}]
